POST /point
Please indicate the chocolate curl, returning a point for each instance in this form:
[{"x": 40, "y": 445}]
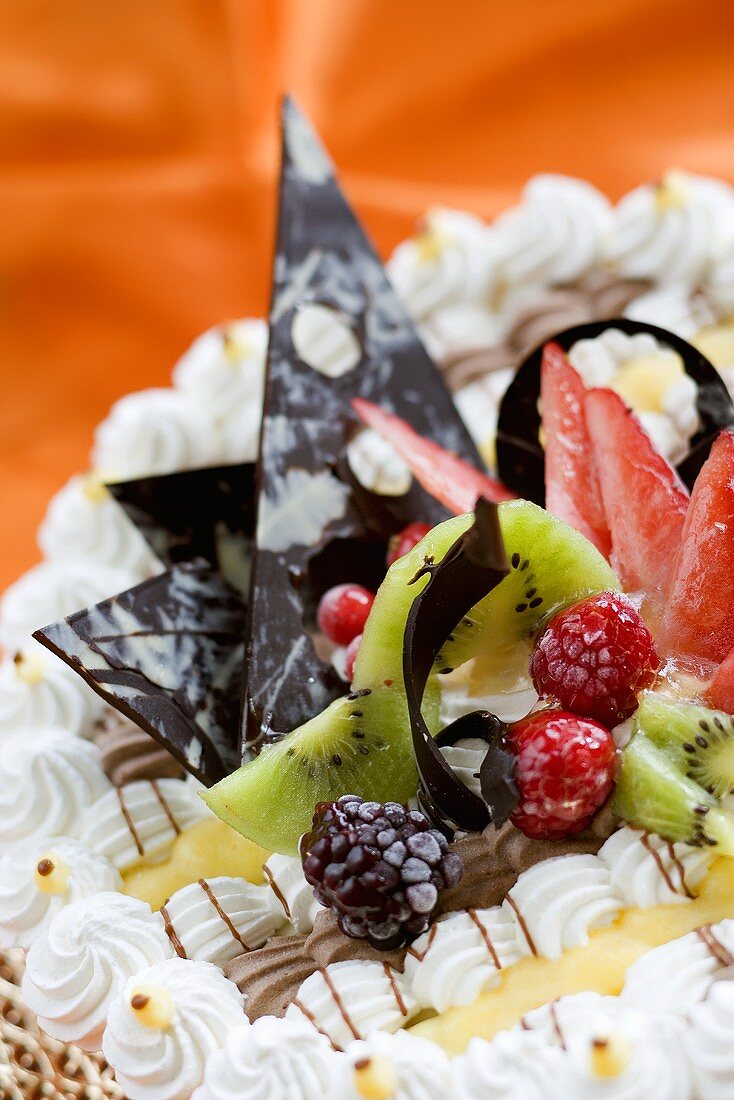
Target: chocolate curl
[
  {"x": 474, "y": 565},
  {"x": 520, "y": 456}
]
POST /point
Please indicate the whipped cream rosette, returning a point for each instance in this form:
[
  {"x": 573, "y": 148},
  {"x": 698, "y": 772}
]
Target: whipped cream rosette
[
  {"x": 140, "y": 822},
  {"x": 165, "y": 1024},
  {"x": 285, "y": 876},
  {"x": 272, "y": 1058},
  {"x": 51, "y": 591},
  {"x": 708, "y": 1043},
  {"x": 224, "y": 373},
  {"x": 675, "y": 307},
  {"x": 350, "y": 1000},
  {"x": 50, "y": 779},
  {"x": 399, "y": 1066},
  {"x": 39, "y": 877},
  {"x": 155, "y": 431},
  {"x": 647, "y": 870},
  {"x": 214, "y": 920},
  {"x": 83, "y": 960},
  {"x": 559, "y": 1019},
  {"x": 674, "y": 977},
  {"x": 515, "y": 1064},
  {"x": 83, "y": 523},
  {"x": 37, "y": 690}
]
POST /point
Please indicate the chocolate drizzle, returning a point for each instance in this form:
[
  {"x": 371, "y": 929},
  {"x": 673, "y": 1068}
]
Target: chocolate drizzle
[
  {"x": 520, "y": 455},
  {"x": 472, "y": 567}
]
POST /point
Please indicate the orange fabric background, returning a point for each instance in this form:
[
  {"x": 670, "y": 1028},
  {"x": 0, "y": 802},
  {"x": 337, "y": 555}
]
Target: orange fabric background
[{"x": 138, "y": 151}]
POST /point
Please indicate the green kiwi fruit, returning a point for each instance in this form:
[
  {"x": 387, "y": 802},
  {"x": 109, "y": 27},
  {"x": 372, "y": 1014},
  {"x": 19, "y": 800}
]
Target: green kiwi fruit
[
  {"x": 699, "y": 740},
  {"x": 653, "y": 794},
  {"x": 361, "y": 744}
]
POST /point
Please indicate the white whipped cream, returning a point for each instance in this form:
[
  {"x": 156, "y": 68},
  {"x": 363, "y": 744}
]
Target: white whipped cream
[
  {"x": 285, "y": 876},
  {"x": 418, "y": 1069},
  {"x": 511, "y": 705},
  {"x": 674, "y": 977},
  {"x": 558, "y": 902},
  {"x": 673, "y": 307},
  {"x": 29, "y": 900},
  {"x": 599, "y": 359},
  {"x": 49, "y": 781},
  {"x": 465, "y": 759},
  {"x": 377, "y": 466},
  {"x": 556, "y": 234},
  {"x": 83, "y": 522},
  {"x": 37, "y": 690},
  {"x": 461, "y": 956},
  {"x": 671, "y": 232},
  {"x": 479, "y": 405},
  {"x": 720, "y": 282},
  {"x": 224, "y": 373},
  {"x": 647, "y": 870},
  {"x": 214, "y": 919},
  {"x": 325, "y": 340},
  {"x": 138, "y": 823},
  {"x": 270, "y": 1059},
  {"x": 516, "y": 1065},
  {"x": 708, "y": 1043},
  {"x": 451, "y": 261},
  {"x": 83, "y": 960},
  {"x": 559, "y": 1019},
  {"x": 156, "y": 431},
  {"x": 350, "y": 1000},
  {"x": 51, "y": 591},
  {"x": 167, "y": 1062},
  {"x": 463, "y": 327}
]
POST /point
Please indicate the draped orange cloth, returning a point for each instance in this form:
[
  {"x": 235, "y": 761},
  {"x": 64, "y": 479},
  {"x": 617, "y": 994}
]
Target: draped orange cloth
[{"x": 138, "y": 146}]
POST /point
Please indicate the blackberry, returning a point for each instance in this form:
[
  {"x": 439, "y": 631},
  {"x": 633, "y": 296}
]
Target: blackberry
[{"x": 378, "y": 867}]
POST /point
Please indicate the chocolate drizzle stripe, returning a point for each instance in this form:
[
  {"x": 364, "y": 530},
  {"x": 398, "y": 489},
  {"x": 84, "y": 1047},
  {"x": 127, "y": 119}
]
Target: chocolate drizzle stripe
[
  {"x": 521, "y": 921},
  {"x": 165, "y": 806},
  {"x": 395, "y": 989},
  {"x": 678, "y": 864},
  {"x": 420, "y": 955},
  {"x": 276, "y": 890},
  {"x": 225, "y": 917},
  {"x": 714, "y": 946},
  {"x": 171, "y": 932},
  {"x": 314, "y": 1023},
  {"x": 553, "y": 1009},
  {"x": 486, "y": 937},
  {"x": 129, "y": 821},
  {"x": 660, "y": 864},
  {"x": 336, "y": 997}
]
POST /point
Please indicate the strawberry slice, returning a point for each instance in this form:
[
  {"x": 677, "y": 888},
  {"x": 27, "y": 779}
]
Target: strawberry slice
[
  {"x": 720, "y": 692},
  {"x": 449, "y": 479},
  {"x": 645, "y": 501},
  {"x": 699, "y": 618},
  {"x": 572, "y": 489}
]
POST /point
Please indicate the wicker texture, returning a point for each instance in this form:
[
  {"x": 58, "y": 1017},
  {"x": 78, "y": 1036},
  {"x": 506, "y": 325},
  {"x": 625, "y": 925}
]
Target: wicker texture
[{"x": 34, "y": 1067}]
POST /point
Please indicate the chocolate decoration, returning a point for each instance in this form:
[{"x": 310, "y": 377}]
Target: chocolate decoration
[
  {"x": 305, "y": 499},
  {"x": 520, "y": 456},
  {"x": 207, "y": 513},
  {"x": 472, "y": 567},
  {"x": 167, "y": 654}
]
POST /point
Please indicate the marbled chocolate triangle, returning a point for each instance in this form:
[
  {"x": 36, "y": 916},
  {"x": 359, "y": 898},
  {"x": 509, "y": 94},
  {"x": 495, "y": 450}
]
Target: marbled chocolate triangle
[{"x": 337, "y": 331}]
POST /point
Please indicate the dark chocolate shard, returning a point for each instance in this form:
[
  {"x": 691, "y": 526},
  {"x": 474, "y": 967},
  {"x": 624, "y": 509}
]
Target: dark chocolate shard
[
  {"x": 474, "y": 565},
  {"x": 520, "y": 456},
  {"x": 168, "y": 654},
  {"x": 207, "y": 513},
  {"x": 337, "y": 331}
]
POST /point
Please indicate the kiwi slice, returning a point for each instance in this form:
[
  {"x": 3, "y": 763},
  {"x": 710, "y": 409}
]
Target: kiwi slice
[
  {"x": 362, "y": 744},
  {"x": 699, "y": 740},
  {"x": 653, "y": 794}
]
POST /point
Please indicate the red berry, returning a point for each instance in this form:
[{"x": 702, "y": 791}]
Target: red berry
[
  {"x": 405, "y": 540},
  {"x": 564, "y": 770},
  {"x": 593, "y": 658},
  {"x": 343, "y": 611},
  {"x": 351, "y": 656}
]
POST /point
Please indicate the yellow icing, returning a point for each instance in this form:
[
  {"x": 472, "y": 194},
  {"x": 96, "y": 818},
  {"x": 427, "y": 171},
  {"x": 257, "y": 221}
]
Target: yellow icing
[
  {"x": 643, "y": 382},
  {"x": 600, "y": 966},
  {"x": 51, "y": 875},
  {"x": 374, "y": 1079},
  {"x": 430, "y": 244},
  {"x": 672, "y": 192},
  {"x": 94, "y": 488},
  {"x": 29, "y": 668},
  {"x": 609, "y": 1055},
  {"x": 717, "y": 344},
  {"x": 152, "y": 1007},
  {"x": 205, "y": 850}
]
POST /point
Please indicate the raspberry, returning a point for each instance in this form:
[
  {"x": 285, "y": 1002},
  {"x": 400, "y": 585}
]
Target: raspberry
[
  {"x": 593, "y": 659},
  {"x": 343, "y": 611},
  {"x": 405, "y": 540},
  {"x": 378, "y": 867},
  {"x": 351, "y": 656},
  {"x": 564, "y": 771}
]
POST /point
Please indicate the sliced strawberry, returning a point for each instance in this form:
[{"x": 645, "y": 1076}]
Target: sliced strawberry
[
  {"x": 645, "y": 501},
  {"x": 572, "y": 489},
  {"x": 449, "y": 479},
  {"x": 720, "y": 692},
  {"x": 699, "y": 614}
]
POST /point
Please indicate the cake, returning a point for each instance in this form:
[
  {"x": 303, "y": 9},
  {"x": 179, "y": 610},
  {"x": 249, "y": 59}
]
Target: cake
[{"x": 380, "y": 746}]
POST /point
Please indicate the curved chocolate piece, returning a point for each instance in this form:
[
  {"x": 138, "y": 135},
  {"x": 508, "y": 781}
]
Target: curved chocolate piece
[
  {"x": 520, "y": 456},
  {"x": 474, "y": 565}
]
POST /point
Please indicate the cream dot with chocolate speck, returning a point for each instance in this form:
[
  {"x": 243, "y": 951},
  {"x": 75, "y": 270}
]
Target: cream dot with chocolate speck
[{"x": 324, "y": 341}]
